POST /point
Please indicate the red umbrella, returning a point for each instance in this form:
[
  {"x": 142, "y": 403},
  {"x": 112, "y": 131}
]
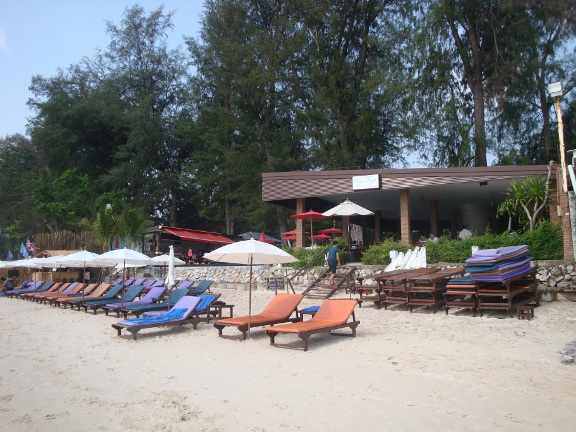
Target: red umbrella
[
  {"x": 290, "y": 237},
  {"x": 321, "y": 236},
  {"x": 264, "y": 239},
  {"x": 310, "y": 215},
  {"x": 332, "y": 230},
  {"x": 293, "y": 232}
]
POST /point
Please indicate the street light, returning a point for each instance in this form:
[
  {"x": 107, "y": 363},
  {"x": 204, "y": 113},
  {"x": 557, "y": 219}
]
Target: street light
[{"x": 555, "y": 89}]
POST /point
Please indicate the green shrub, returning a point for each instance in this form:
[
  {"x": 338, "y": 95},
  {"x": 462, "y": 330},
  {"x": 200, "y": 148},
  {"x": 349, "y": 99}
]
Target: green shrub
[
  {"x": 380, "y": 254},
  {"x": 545, "y": 243}
]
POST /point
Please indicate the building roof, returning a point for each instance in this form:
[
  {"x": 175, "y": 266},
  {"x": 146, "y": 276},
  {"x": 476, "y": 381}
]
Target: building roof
[{"x": 450, "y": 187}]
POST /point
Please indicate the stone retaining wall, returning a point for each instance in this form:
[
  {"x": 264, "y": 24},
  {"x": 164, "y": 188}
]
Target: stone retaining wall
[{"x": 553, "y": 276}]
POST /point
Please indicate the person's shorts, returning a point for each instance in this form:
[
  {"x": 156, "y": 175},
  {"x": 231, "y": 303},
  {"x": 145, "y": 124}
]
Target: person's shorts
[{"x": 332, "y": 265}]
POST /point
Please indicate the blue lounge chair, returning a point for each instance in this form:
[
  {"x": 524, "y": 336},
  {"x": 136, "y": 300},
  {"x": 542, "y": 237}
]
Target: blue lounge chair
[
  {"x": 180, "y": 314},
  {"x": 162, "y": 306},
  {"x": 129, "y": 296},
  {"x": 148, "y": 299}
]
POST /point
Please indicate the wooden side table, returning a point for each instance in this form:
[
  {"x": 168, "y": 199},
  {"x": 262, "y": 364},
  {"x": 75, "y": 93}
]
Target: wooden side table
[{"x": 216, "y": 311}]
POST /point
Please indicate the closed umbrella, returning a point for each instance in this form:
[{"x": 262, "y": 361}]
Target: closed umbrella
[
  {"x": 310, "y": 215},
  {"x": 169, "y": 282},
  {"x": 250, "y": 252}
]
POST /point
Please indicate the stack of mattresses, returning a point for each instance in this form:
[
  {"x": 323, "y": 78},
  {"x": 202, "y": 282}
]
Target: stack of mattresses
[
  {"x": 499, "y": 265},
  {"x": 505, "y": 277}
]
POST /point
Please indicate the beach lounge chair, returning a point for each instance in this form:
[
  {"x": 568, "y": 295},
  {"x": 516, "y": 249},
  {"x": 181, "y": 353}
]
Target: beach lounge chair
[
  {"x": 70, "y": 289},
  {"x": 154, "y": 293},
  {"x": 184, "y": 284},
  {"x": 90, "y": 291},
  {"x": 129, "y": 295},
  {"x": 180, "y": 314},
  {"x": 278, "y": 311},
  {"x": 162, "y": 305},
  {"x": 201, "y": 288},
  {"x": 110, "y": 293},
  {"x": 332, "y": 314},
  {"x": 205, "y": 301},
  {"x": 33, "y": 287},
  {"x": 32, "y": 295},
  {"x": 74, "y": 289}
]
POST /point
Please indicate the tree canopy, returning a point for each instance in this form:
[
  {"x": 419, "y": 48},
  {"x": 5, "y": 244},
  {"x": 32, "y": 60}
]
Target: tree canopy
[{"x": 181, "y": 135}]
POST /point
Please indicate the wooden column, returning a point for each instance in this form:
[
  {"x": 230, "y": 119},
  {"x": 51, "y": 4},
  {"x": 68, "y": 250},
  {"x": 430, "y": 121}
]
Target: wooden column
[
  {"x": 300, "y": 234},
  {"x": 377, "y": 226},
  {"x": 405, "y": 216}
]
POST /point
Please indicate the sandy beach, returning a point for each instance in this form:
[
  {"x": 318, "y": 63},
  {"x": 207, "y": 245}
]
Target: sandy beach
[{"x": 65, "y": 370}]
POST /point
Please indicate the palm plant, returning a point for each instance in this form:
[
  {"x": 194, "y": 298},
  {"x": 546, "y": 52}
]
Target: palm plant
[{"x": 528, "y": 197}]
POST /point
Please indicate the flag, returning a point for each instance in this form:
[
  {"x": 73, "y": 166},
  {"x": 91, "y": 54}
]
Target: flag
[
  {"x": 30, "y": 244},
  {"x": 23, "y": 251},
  {"x": 9, "y": 255}
]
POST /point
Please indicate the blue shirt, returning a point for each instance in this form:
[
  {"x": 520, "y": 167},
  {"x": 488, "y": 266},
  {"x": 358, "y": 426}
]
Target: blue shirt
[{"x": 332, "y": 252}]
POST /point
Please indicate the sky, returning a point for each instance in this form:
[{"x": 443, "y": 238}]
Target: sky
[{"x": 37, "y": 37}]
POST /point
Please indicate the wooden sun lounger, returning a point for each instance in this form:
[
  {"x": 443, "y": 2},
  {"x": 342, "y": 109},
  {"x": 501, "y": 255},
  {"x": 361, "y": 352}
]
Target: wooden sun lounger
[
  {"x": 333, "y": 314},
  {"x": 428, "y": 290},
  {"x": 279, "y": 310}
]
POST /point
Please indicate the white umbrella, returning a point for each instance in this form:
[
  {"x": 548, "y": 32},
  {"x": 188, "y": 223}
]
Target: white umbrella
[
  {"x": 348, "y": 208},
  {"x": 124, "y": 257},
  {"x": 250, "y": 252},
  {"x": 80, "y": 259},
  {"x": 169, "y": 282},
  {"x": 164, "y": 260}
]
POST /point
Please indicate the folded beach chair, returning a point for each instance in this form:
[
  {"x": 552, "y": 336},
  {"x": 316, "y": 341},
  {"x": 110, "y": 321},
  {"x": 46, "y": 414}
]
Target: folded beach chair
[
  {"x": 109, "y": 294},
  {"x": 86, "y": 292},
  {"x": 148, "y": 299},
  {"x": 202, "y": 287},
  {"x": 332, "y": 314},
  {"x": 129, "y": 295},
  {"x": 180, "y": 314},
  {"x": 278, "y": 311},
  {"x": 161, "y": 306},
  {"x": 74, "y": 289}
]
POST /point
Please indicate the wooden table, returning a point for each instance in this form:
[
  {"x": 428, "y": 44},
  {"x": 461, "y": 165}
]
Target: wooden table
[{"x": 215, "y": 310}]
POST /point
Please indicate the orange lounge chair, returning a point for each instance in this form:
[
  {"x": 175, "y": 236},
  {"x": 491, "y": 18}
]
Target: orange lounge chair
[
  {"x": 74, "y": 292},
  {"x": 75, "y": 299},
  {"x": 333, "y": 314},
  {"x": 278, "y": 310},
  {"x": 32, "y": 295},
  {"x": 64, "y": 289}
]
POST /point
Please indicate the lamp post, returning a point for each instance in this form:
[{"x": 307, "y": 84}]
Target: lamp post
[{"x": 555, "y": 90}]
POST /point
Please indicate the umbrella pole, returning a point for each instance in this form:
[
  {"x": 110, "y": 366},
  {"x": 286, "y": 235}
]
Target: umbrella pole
[
  {"x": 123, "y": 284},
  {"x": 250, "y": 299}
]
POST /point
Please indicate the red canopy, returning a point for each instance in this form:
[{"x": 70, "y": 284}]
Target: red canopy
[
  {"x": 310, "y": 215},
  {"x": 332, "y": 230},
  {"x": 321, "y": 236},
  {"x": 290, "y": 237}
]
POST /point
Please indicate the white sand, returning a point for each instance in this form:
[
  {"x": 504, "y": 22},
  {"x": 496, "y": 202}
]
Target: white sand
[{"x": 65, "y": 370}]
